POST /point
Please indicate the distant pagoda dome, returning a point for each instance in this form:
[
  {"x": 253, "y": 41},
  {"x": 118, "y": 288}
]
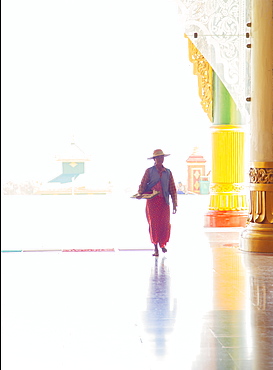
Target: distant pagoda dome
[
  {"x": 196, "y": 157},
  {"x": 73, "y": 167},
  {"x": 73, "y": 154},
  {"x": 73, "y": 160}
]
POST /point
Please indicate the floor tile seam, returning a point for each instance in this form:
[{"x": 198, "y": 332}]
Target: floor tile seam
[
  {"x": 233, "y": 336},
  {"x": 232, "y": 349},
  {"x": 219, "y": 230},
  {"x": 225, "y": 349},
  {"x": 238, "y": 345},
  {"x": 226, "y": 352},
  {"x": 239, "y": 359},
  {"x": 76, "y": 250}
]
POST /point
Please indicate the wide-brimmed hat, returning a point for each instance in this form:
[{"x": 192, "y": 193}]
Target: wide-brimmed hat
[{"x": 157, "y": 153}]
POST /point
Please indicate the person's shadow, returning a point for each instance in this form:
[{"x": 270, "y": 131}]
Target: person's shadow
[{"x": 159, "y": 318}]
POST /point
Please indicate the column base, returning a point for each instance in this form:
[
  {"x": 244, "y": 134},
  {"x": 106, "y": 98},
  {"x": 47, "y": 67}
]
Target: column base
[
  {"x": 225, "y": 219},
  {"x": 257, "y": 238}
]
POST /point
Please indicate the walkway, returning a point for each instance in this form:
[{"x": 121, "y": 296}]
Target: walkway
[{"x": 204, "y": 305}]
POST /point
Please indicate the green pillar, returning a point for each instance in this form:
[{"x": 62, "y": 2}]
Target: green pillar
[{"x": 225, "y": 111}]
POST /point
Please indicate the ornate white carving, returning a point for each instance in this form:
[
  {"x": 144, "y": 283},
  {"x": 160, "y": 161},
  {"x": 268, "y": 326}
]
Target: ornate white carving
[{"x": 221, "y": 30}]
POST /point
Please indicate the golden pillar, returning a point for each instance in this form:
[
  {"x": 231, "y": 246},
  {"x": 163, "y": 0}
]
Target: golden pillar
[
  {"x": 228, "y": 202},
  {"x": 258, "y": 235}
]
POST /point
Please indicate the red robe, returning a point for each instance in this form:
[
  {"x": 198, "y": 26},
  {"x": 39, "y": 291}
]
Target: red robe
[
  {"x": 158, "y": 211},
  {"x": 158, "y": 216}
]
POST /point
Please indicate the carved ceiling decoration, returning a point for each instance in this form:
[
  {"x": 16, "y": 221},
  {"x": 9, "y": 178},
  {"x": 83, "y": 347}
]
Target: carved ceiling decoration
[
  {"x": 220, "y": 30},
  {"x": 203, "y": 70}
]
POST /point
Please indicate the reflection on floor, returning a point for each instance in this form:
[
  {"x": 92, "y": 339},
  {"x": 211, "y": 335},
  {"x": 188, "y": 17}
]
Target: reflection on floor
[{"x": 203, "y": 305}]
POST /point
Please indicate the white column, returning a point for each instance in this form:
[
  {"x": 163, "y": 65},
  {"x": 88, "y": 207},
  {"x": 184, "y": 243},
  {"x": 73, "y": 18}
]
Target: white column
[{"x": 258, "y": 236}]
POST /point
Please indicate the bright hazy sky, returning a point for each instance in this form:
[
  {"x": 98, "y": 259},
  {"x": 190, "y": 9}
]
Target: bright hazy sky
[{"x": 115, "y": 74}]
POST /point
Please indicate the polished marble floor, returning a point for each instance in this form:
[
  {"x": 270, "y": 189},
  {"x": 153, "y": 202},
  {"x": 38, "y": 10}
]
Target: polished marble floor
[{"x": 203, "y": 305}]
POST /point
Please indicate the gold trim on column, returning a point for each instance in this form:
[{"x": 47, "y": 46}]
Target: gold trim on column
[
  {"x": 268, "y": 165},
  {"x": 261, "y": 205},
  {"x": 261, "y": 192},
  {"x": 258, "y": 236},
  {"x": 228, "y": 197},
  {"x": 203, "y": 70}
]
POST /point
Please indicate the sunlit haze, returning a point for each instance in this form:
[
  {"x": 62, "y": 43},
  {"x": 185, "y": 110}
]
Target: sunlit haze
[{"x": 115, "y": 75}]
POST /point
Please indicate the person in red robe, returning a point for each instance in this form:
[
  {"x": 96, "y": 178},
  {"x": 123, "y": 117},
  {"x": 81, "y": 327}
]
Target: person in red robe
[{"x": 158, "y": 180}]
